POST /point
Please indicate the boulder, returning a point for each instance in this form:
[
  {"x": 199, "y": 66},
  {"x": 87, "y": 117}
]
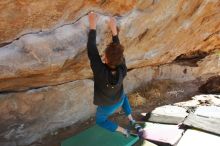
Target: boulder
[
  {"x": 43, "y": 43},
  {"x": 45, "y": 75},
  {"x": 27, "y": 116}
]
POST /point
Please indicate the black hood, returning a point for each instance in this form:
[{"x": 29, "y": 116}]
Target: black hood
[{"x": 115, "y": 76}]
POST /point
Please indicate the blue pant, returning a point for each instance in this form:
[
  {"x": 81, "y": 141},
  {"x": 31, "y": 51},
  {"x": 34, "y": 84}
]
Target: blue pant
[{"x": 103, "y": 112}]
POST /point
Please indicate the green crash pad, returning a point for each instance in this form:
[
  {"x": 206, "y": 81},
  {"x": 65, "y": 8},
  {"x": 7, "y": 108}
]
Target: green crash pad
[{"x": 97, "y": 136}]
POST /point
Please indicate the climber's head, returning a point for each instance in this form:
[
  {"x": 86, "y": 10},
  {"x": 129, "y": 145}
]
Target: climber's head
[{"x": 113, "y": 55}]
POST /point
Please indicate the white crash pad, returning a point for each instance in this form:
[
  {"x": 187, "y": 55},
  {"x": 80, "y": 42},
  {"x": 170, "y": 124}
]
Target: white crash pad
[
  {"x": 198, "y": 138},
  {"x": 208, "y": 111},
  {"x": 162, "y": 133},
  {"x": 203, "y": 123},
  {"x": 168, "y": 114}
]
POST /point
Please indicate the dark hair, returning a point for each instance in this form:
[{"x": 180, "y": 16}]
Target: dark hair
[{"x": 114, "y": 54}]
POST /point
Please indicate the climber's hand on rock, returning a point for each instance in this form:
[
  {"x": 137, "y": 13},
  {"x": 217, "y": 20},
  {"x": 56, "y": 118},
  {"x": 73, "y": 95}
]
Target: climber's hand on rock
[
  {"x": 92, "y": 20},
  {"x": 113, "y": 25}
]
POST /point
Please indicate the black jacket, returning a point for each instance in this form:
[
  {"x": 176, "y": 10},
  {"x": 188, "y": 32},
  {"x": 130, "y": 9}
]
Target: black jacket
[{"x": 108, "y": 87}]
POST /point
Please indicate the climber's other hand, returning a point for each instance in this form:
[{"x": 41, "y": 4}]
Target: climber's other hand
[
  {"x": 113, "y": 25},
  {"x": 92, "y": 20}
]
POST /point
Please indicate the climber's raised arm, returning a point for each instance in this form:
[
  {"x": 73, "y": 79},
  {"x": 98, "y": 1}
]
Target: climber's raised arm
[
  {"x": 115, "y": 39},
  {"x": 113, "y": 27},
  {"x": 93, "y": 53}
]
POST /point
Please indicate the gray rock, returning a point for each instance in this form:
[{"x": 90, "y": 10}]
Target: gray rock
[{"x": 27, "y": 116}]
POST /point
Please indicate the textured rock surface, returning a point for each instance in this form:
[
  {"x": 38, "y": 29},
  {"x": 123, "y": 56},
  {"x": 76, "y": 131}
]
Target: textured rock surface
[
  {"x": 27, "y": 116},
  {"x": 172, "y": 82},
  {"x": 211, "y": 86},
  {"x": 24, "y": 16},
  {"x": 152, "y": 33},
  {"x": 207, "y": 67},
  {"x": 43, "y": 53}
]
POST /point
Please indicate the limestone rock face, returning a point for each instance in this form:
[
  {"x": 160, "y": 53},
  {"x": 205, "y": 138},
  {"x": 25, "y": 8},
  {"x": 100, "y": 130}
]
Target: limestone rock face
[
  {"x": 27, "y": 116},
  {"x": 45, "y": 75},
  {"x": 207, "y": 67},
  {"x": 23, "y": 16},
  {"x": 51, "y": 36}
]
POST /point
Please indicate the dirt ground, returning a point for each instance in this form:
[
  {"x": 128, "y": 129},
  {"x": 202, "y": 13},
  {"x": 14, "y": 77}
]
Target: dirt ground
[
  {"x": 144, "y": 99},
  {"x": 55, "y": 138}
]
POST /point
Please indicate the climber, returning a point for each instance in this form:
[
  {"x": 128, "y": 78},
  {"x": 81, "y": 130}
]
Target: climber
[{"x": 108, "y": 77}]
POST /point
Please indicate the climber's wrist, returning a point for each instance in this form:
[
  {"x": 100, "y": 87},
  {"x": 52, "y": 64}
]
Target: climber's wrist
[
  {"x": 113, "y": 26},
  {"x": 114, "y": 32},
  {"x": 92, "y": 25}
]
